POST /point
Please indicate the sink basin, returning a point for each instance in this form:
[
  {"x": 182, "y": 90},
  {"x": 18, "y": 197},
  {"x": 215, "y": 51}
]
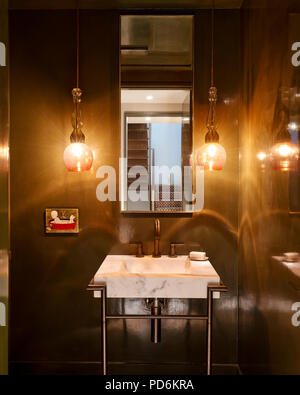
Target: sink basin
[
  {"x": 149, "y": 265},
  {"x": 127, "y": 276}
]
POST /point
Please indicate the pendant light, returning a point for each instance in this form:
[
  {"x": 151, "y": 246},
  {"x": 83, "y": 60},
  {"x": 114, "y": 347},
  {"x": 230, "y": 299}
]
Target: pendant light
[
  {"x": 211, "y": 156},
  {"x": 284, "y": 154},
  {"x": 78, "y": 156}
]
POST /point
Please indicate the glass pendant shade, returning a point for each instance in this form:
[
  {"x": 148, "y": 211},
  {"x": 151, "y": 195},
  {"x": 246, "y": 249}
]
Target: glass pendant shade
[
  {"x": 211, "y": 156},
  {"x": 78, "y": 157},
  {"x": 284, "y": 156}
]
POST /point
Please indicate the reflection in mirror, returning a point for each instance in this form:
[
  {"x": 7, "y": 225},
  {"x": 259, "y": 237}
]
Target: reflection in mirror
[
  {"x": 157, "y": 147},
  {"x": 294, "y": 128},
  {"x": 156, "y": 40}
]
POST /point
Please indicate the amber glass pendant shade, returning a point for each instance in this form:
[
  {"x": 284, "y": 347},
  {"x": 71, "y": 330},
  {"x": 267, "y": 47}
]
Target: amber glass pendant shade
[
  {"x": 211, "y": 156},
  {"x": 284, "y": 156},
  {"x": 78, "y": 157}
]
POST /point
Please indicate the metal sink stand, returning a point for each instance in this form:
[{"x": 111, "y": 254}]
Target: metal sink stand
[{"x": 208, "y": 318}]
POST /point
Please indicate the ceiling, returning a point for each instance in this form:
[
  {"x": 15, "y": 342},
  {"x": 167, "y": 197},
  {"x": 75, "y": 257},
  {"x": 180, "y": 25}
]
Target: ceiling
[
  {"x": 123, "y": 4},
  {"x": 157, "y": 96}
]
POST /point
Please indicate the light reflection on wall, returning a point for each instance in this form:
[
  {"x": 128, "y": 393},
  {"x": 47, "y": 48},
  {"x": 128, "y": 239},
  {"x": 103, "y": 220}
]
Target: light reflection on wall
[{"x": 4, "y": 152}]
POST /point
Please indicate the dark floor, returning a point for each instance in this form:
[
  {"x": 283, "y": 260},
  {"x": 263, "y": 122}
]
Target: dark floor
[{"x": 94, "y": 368}]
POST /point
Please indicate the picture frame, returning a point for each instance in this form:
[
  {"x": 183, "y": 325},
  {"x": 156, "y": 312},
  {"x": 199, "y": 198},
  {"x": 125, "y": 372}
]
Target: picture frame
[{"x": 61, "y": 220}]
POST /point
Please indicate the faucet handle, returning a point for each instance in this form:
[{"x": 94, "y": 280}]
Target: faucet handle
[
  {"x": 172, "y": 253},
  {"x": 139, "y": 248}
]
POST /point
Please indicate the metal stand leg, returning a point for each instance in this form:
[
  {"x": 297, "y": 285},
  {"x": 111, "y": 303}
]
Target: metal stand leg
[
  {"x": 209, "y": 329},
  {"x": 209, "y": 323},
  {"x": 103, "y": 327}
]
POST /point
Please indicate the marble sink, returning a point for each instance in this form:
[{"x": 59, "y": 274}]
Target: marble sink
[{"x": 127, "y": 276}]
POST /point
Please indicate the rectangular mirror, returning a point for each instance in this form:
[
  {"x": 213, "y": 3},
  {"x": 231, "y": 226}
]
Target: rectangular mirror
[
  {"x": 292, "y": 103},
  {"x": 157, "y": 147},
  {"x": 156, "y": 113}
]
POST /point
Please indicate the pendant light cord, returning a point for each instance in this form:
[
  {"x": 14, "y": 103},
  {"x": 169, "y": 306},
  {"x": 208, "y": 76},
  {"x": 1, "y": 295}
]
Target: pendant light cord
[
  {"x": 77, "y": 135},
  {"x": 77, "y": 46},
  {"x": 77, "y": 63},
  {"x": 212, "y": 43},
  {"x": 212, "y": 134}
]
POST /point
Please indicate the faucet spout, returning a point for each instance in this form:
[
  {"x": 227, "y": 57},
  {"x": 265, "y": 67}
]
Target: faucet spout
[
  {"x": 156, "y": 227},
  {"x": 156, "y": 253}
]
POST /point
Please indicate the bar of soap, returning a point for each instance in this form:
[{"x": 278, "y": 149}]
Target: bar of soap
[{"x": 197, "y": 256}]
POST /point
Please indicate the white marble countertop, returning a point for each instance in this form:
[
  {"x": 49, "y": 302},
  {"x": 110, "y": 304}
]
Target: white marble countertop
[{"x": 127, "y": 276}]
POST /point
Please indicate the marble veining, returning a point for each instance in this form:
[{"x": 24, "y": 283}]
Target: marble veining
[{"x": 127, "y": 276}]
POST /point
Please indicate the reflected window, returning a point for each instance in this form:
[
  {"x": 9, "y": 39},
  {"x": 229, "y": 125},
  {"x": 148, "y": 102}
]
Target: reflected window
[{"x": 294, "y": 129}]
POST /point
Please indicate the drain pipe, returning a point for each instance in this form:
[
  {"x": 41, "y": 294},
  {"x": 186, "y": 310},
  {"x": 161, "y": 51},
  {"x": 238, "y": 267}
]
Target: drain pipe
[{"x": 156, "y": 323}]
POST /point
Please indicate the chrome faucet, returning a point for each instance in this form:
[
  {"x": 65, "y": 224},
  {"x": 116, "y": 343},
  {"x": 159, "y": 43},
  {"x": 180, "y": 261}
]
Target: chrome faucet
[{"x": 156, "y": 253}]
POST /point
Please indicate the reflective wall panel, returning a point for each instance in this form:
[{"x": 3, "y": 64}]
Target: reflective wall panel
[
  {"x": 57, "y": 323},
  {"x": 4, "y": 169},
  {"x": 269, "y": 330}
]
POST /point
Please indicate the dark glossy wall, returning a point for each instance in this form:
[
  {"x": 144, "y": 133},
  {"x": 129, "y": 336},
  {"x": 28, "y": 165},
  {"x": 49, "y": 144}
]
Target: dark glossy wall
[
  {"x": 54, "y": 321},
  {"x": 4, "y": 174},
  {"x": 268, "y": 342}
]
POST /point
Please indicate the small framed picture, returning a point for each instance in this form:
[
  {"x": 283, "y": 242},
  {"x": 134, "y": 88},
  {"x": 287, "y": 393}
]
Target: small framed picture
[{"x": 62, "y": 220}]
